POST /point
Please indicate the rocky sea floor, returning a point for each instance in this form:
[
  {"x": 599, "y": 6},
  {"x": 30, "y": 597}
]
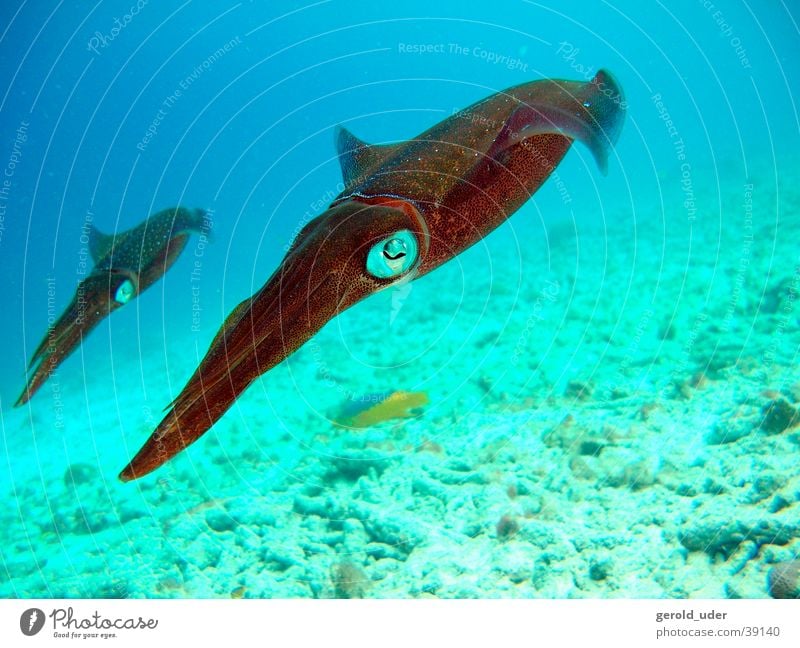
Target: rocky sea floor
[{"x": 613, "y": 413}]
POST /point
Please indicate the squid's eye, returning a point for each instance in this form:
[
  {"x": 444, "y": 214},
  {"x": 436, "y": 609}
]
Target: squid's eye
[
  {"x": 124, "y": 292},
  {"x": 393, "y": 255}
]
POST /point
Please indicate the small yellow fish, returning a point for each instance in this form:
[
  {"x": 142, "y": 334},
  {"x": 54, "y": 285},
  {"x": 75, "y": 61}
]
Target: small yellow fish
[{"x": 371, "y": 409}]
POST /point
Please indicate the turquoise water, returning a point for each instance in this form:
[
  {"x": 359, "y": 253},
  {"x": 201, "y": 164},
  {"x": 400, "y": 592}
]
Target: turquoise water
[{"x": 611, "y": 375}]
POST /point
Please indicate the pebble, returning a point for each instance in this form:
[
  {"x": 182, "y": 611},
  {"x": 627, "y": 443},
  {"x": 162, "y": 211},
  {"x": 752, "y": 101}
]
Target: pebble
[{"x": 783, "y": 580}]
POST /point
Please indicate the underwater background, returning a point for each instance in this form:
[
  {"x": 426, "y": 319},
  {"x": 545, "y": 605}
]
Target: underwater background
[{"x": 600, "y": 399}]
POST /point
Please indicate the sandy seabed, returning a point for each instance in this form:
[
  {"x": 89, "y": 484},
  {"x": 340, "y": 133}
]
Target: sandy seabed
[{"x": 612, "y": 413}]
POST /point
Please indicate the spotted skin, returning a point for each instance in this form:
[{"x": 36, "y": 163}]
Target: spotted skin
[
  {"x": 126, "y": 264},
  {"x": 449, "y": 187}
]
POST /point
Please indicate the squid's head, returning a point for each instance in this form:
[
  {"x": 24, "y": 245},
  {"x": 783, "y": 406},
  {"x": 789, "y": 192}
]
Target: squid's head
[
  {"x": 350, "y": 252},
  {"x": 99, "y": 294}
]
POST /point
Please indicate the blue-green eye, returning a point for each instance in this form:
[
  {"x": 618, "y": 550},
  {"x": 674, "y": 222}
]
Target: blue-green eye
[
  {"x": 393, "y": 255},
  {"x": 124, "y": 292}
]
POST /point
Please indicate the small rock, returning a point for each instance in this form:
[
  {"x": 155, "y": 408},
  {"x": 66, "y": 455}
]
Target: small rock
[
  {"x": 353, "y": 464},
  {"x": 581, "y": 469},
  {"x": 719, "y": 533},
  {"x": 219, "y": 520},
  {"x": 80, "y": 473},
  {"x": 401, "y": 532},
  {"x": 624, "y": 468},
  {"x": 455, "y": 478},
  {"x": 381, "y": 551},
  {"x": 332, "y": 539},
  {"x": 778, "y": 503},
  {"x": 282, "y": 558},
  {"x": 779, "y": 416},
  {"x": 579, "y": 390},
  {"x": 590, "y": 447},
  {"x": 349, "y": 580},
  {"x": 472, "y": 528},
  {"x": 86, "y": 521},
  {"x": 205, "y": 552},
  {"x": 428, "y": 487},
  {"x": 126, "y": 513},
  {"x": 775, "y": 294},
  {"x": 325, "y": 507},
  {"x": 113, "y": 590},
  {"x": 763, "y": 486},
  {"x": 431, "y": 584},
  {"x": 600, "y": 569},
  {"x": 617, "y": 393},
  {"x": 579, "y": 439},
  {"x": 729, "y": 430},
  {"x": 783, "y": 580},
  {"x": 507, "y": 527}
]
